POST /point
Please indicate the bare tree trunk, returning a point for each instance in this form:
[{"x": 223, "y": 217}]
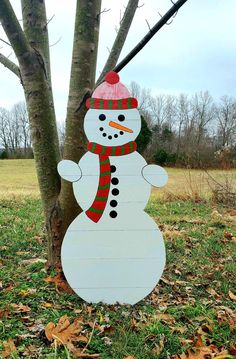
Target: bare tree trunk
[
  {"x": 83, "y": 67},
  {"x": 36, "y": 83}
]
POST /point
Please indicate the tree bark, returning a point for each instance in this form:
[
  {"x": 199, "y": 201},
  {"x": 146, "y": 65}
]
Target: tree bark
[
  {"x": 35, "y": 29},
  {"x": 83, "y": 68},
  {"x": 38, "y": 94}
]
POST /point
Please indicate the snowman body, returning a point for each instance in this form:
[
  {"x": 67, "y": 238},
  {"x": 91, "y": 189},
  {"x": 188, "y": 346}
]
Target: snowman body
[{"x": 121, "y": 256}]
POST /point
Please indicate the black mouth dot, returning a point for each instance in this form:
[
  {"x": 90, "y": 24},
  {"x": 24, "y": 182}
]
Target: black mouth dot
[
  {"x": 104, "y": 134},
  {"x": 110, "y": 137},
  {"x": 115, "y": 135},
  {"x": 121, "y": 132},
  {"x": 101, "y": 128}
]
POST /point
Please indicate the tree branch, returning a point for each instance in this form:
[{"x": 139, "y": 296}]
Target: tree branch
[
  {"x": 10, "y": 65},
  {"x": 150, "y": 34},
  {"x": 120, "y": 38},
  {"x": 14, "y": 32}
]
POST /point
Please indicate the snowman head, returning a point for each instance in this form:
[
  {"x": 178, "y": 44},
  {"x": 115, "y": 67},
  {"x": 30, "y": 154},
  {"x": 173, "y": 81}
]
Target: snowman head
[{"x": 112, "y": 118}]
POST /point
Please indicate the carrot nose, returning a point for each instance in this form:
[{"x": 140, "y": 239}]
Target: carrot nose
[{"x": 120, "y": 127}]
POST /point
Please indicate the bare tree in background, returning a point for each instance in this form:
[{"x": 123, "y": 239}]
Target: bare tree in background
[
  {"x": 14, "y": 131},
  {"x": 226, "y": 121},
  {"x": 4, "y": 129}
]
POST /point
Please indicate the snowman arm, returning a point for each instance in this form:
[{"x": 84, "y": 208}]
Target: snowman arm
[
  {"x": 155, "y": 175},
  {"x": 69, "y": 170}
]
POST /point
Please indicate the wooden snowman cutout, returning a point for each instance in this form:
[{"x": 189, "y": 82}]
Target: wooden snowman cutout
[{"x": 113, "y": 251}]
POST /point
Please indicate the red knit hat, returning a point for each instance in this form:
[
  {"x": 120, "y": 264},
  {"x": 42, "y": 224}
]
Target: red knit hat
[{"x": 111, "y": 95}]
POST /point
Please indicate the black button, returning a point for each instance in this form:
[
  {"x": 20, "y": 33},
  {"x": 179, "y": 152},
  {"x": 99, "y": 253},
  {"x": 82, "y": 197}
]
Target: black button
[
  {"x": 110, "y": 137},
  {"x": 115, "y": 192},
  {"x": 114, "y": 181},
  {"x": 104, "y": 134},
  {"x": 113, "y": 203},
  {"x": 121, "y": 117},
  {"x": 102, "y": 117},
  {"x": 101, "y": 128},
  {"x": 113, "y": 214},
  {"x": 121, "y": 132},
  {"x": 113, "y": 169}
]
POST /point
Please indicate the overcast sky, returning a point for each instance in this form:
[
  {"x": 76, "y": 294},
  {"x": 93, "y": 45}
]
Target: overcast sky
[{"x": 196, "y": 52}]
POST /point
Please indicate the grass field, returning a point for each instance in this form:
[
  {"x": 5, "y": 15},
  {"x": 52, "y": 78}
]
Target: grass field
[
  {"x": 18, "y": 178},
  {"x": 191, "y": 314}
]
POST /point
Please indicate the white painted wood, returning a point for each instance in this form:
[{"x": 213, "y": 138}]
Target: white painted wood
[
  {"x": 134, "y": 192},
  {"x": 116, "y": 259},
  {"x": 69, "y": 170},
  {"x": 155, "y": 175},
  {"x": 92, "y": 126},
  {"x": 94, "y": 261}
]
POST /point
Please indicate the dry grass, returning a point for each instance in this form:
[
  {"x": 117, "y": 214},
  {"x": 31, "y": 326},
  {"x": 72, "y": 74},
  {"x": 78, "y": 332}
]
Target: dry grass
[
  {"x": 18, "y": 178},
  {"x": 192, "y": 184}
]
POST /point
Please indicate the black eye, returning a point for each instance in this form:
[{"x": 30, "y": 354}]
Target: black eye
[
  {"x": 102, "y": 117},
  {"x": 121, "y": 117}
]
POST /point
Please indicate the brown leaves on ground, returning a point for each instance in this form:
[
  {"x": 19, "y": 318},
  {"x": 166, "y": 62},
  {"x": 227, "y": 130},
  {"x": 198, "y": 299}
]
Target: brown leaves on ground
[
  {"x": 69, "y": 334},
  {"x": 65, "y": 332},
  {"x": 60, "y": 283},
  {"x": 9, "y": 349},
  {"x": 232, "y": 296},
  {"x": 21, "y": 308},
  {"x": 203, "y": 351}
]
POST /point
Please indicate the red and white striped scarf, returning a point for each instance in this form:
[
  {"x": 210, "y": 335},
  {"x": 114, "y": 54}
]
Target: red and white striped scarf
[{"x": 96, "y": 210}]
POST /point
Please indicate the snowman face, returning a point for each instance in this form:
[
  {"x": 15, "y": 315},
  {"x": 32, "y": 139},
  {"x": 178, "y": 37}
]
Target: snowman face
[{"x": 112, "y": 127}]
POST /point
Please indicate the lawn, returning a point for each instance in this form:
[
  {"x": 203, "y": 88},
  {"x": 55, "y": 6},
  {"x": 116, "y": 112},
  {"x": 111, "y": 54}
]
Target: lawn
[{"x": 190, "y": 314}]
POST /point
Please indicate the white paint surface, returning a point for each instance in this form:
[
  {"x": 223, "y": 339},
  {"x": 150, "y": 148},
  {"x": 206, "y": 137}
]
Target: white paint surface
[
  {"x": 69, "y": 170},
  {"x": 92, "y": 126},
  {"x": 155, "y": 175},
  {"x": 107, "y": 263},
  {"x": 117, "y": 259}
]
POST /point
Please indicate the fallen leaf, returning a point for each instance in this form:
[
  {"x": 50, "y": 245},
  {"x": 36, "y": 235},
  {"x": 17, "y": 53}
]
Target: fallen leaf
[
  {"x": 130, "y": 357},
  {"x": 22, "y": 253},
  {"x": 46, "y": 305},
  {"x": 9, "y": 349},
  {"x": 228, "y": 235},
  {"x": 159, "y": 347},
  {"x": 162, "y": 317},
  {"x": 21, "y": 308},
  {"x": 232, "y": 296},
  {"x": 33, "y": 261},
  {"x": 166, "y": 281},
  {"x": 27, "y": 292},
  {"x": 65, "y": 332},
  {"x": 212, "y": 291},
  {"x": 60, "y": 283},
  {"x": 4, "y": 313},
  {"x": 233, "y": 350},
  {"x": 201, "y": 351}
]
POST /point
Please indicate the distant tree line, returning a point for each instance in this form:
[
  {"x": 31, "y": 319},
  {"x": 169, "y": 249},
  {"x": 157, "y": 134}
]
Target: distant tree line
[
  {"x": 192, "y": 131},
  {"x": 182, "y": 130},
  {"x": 15, "y": 139}
]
